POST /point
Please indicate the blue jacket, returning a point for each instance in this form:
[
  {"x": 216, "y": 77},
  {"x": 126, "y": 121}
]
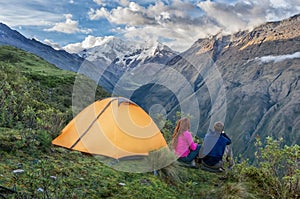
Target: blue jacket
[{"x": 217, "y": 152}]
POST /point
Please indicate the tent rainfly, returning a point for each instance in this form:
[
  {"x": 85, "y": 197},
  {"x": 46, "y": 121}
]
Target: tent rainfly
[{"x": 115, "y": 127}]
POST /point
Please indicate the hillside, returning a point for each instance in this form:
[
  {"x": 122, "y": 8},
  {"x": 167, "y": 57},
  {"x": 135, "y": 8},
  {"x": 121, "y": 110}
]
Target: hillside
[{"x": 35, "y": 104}]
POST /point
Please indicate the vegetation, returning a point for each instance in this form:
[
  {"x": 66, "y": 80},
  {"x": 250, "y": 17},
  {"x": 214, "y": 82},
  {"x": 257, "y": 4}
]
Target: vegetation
[
  {"x": 276, "y": 172},
  {"x": 35, "y": 104}
]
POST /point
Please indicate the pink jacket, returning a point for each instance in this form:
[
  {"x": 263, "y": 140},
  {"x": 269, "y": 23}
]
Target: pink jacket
[{"x": 185, "y": 144}]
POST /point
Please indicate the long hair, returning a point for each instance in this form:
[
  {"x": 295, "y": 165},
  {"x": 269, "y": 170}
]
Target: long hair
[{"x": 182, "y": 125}]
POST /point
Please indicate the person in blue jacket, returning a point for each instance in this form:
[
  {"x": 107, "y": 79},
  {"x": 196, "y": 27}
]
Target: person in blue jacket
[{"x": 214, "y": 146}]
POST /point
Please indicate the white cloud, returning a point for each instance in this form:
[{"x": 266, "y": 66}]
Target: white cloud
[
  {"x": 155, "y": 21},
  {"x": 279, "y": 3},
  {"x": 100, "y": 2},
  {"x": 134, "y": 14},
  {"x": 89, "y": 42},
  {"x": 226, "y": 18},
  {"x": 96, "y": 14},
  {"x": 181, "y": 23},
  {"x": 69, "y": 26},
  {"x": 124, "y": 2},
  {"x": 279, "y": 58},
  {"x": 29, "y": 13},
  {"x": 54, "y": 45},
  {"x": 120, "y": 2},
  {"x": 246, "y": 14}
]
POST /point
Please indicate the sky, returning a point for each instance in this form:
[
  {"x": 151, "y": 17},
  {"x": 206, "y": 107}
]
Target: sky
[{"x": 76, "y": 24}]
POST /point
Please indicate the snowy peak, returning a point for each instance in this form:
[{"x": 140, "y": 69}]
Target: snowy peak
[
  {"x": 107, "y": 50},
  {"x": 124, "y": 52},
  {"x": 116, "y": 57}
]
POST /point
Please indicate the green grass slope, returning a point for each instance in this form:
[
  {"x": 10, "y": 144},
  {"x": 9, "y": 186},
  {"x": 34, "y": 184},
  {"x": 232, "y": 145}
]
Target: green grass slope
[{"x": 35, "y": 104}]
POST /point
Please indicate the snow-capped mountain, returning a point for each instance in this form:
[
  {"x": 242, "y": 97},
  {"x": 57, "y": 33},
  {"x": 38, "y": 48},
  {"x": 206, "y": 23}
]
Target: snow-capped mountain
[
  {"x": 116, "y": 56},
  {"x": 125, "y": 53}
]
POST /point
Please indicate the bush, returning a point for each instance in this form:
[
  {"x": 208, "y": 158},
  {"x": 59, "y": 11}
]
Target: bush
[{"x": 276, "y": 172}]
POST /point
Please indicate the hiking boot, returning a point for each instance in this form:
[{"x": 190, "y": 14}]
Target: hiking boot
[
  {"x": 216, "y": 168},
  {"x": 219, "y": 170}
]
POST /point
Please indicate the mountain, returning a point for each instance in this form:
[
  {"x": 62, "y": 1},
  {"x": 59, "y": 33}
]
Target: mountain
[
  {"x": 123, "y": 52},
  {"x": 59, "y": 58},
  {"x": 116, "y": 57},
  {"x": 249, "y": 79},
  {"x": 108, "y": 50}
]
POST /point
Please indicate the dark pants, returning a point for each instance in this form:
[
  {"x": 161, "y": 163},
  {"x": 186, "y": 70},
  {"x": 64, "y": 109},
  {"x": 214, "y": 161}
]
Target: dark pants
[
  {"x": 217, "y": 162},
  {"x": 191, "y": 156}
]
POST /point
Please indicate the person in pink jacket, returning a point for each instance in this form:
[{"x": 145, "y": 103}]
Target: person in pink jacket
[{"x": 182, "y": 142}]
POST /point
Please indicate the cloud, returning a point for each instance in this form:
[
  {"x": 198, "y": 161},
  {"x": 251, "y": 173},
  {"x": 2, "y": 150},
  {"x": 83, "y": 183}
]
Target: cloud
[
  {"x": 154, "y": 21},
  {"x": 99, "y": 13},
  {"x": 223, "y": 14},
  {"x": 279, "y": 58},
  {"x": 54, "y": 45},
  {"x": 69, "y": 26},
  {"x": 89, "y": 42},
  {"x": 134, "y": 14},
  {"x": 100, "y": 2},
  {"x": 124, "y": 2},
  {"x": 180, "y": 23},
  {"x": 246, "y": 14},
  {"x": 29, "y": 13}
]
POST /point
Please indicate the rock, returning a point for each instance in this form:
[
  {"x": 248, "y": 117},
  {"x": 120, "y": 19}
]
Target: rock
[
  {"x": 17, "y": 171},
  {"x": 40, "y": 190},
  {"x": 122, "y": 184}
]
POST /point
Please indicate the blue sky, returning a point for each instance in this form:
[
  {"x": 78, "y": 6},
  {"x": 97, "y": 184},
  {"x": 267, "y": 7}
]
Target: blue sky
[{"x": 77, "y": 24}]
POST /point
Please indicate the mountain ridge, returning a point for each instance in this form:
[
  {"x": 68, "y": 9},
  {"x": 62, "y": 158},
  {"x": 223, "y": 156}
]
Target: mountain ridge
[
  {"x": 59, "y": 58},
  {"x": 270, "y": 31}
]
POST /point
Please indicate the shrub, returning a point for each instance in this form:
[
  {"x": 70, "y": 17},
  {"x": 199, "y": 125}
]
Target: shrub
[{"x": 277, "y": 170}]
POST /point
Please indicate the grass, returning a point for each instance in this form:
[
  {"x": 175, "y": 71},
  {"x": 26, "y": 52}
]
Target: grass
[{"x": 78, "y": 175}]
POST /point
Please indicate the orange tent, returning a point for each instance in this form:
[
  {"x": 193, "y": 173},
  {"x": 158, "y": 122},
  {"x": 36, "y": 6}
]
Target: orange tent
[{"x": 114, "y": 127}]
